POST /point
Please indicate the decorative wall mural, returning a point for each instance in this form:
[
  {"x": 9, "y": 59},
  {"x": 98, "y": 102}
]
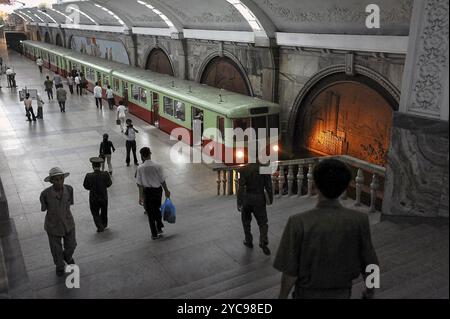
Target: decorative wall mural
[
  {"x": 348, "y": 118},
  {"x": 106, "y": 49}
]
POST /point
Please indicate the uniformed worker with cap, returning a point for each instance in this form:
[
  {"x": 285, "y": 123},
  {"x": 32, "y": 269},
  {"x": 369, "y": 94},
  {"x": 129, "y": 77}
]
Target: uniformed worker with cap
[
  {"x": 252, "y": 200},
  {"x": 97, "y": 184}
]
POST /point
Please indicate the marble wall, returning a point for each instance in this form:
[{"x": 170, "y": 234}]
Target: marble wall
[{"x": 417, "y": 174}]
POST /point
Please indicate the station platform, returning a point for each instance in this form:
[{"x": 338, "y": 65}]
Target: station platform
[{"x": 201, "y": 256}]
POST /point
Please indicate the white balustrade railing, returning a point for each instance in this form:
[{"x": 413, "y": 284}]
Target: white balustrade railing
[{"x": 294, "y": 178}]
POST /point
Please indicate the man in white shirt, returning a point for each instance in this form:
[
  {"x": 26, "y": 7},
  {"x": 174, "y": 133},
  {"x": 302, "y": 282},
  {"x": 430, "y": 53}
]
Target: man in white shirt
[
  {"x": 151, "y": 180},
  {"x": 57, "y": 80},
  {"x": 40, "y": 63},
  {"x": 121, "y": 115},
  {"x": 130, "y": 134},
  {"x": 78, "y": 84},
  {"x": 70, "y": 82},
  {"x": 10, "y": 75},
  {"x": 110, "y": 97},
  {"x": 28, "y": 102},
  {"x": 98, "y": 95}
]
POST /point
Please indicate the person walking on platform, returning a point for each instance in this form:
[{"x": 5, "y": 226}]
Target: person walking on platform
[
  {"x": 48, "y": 84},
  {"x": 40, "y": 104},
  {"x": 121, "y": 115},
  {"x": 29, "y": 107},
  {"x": 70, "y": 82},
  {"x": 251, "y": 199},
  {"x": 83, "y": 83},
  {"x": 151, "y": 180},
  {"x": 77, "y": 80},
  {"x": 130, "y": 144},
  {"x": 59, "y": 222},
  {"x": 40, "y": 63},
  {"x": 97, "y": 184},
  {"x": 98, "y": 95},
  {"x": 106, "y": 150},
  {"x": 61, "y": 96},
  {"x": 10, "y": 75},
  {"x": 58, "y": 81},
  {"x": 110, "y": 97},
  {"x": 324, "y": 249}
]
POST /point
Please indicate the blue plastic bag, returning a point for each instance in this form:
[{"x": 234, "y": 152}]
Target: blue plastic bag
[{"x": 168, "y": 211}]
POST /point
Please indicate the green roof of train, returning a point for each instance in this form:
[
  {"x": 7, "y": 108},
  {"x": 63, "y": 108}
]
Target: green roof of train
[{"x": 233, "y": 105}]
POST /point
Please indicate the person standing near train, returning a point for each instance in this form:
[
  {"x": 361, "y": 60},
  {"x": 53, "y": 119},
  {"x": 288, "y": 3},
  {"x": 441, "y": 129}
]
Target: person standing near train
[
  {"x": 110, "y": 97},
  {"x": 70, "y": 82},
  {"x": 130, "y": 134},
  {"x": 39, "y": 63},
  {"x": 98, "y": 95},
  {"x": 121, "y": 115},
  {"x": 77, "y": 80},
  {"x": 48, "y": 84}
]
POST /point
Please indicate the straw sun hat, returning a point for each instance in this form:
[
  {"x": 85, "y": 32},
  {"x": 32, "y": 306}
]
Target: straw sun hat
[{"x": 55, "y": 171}]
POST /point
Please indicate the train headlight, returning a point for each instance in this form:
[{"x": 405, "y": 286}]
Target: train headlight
[
  {"x": 239, "y": 154},
  {"x": 276, "y": 148}
]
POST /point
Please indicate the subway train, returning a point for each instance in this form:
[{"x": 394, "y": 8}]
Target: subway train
[{"x": 170, "y": 103}]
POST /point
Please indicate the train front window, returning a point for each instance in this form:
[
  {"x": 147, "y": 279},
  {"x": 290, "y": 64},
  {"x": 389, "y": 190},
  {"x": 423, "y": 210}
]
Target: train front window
[
  {"x": 135, "y": 92},
  {"x": 259, "y": 123},
  {"x": 143, "y": 95},
  {"x": 116, "y": 85},
  {"x": 241, "y": 123}
]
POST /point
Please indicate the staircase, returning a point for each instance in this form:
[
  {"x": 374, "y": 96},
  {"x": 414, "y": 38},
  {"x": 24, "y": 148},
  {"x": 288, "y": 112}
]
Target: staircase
[{"x": 413, "y": 262}]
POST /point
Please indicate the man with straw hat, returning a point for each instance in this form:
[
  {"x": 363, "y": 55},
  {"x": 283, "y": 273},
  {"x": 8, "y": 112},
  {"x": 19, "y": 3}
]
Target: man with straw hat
[
  {"x": 59, "y": 222},
  {"x": 97, "y": 184}
]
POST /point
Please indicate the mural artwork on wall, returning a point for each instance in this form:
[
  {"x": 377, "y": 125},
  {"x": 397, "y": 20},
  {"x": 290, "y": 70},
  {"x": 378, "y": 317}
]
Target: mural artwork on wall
[
  {"x": 106, "y": 49},
  {"x": 351, "y": 119}
]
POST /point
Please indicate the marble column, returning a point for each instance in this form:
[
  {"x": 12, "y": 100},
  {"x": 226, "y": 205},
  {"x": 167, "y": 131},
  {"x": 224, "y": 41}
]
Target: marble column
[{"x": 417, "y": 170}]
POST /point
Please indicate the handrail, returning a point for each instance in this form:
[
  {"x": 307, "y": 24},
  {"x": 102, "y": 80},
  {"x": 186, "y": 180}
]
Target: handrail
[{"x": 290, "y": 175}]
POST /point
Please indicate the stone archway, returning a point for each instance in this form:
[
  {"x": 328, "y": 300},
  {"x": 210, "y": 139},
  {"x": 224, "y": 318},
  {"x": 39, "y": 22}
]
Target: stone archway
[
  {"x": 47, "y": 38},
  {"x": 344, "y": 114},
  {"x": 158, "y": 61},
  {"x": 224, "y": 73},
  {"x": 58, "y": 40},
  {"x": 38, "y": 36}
]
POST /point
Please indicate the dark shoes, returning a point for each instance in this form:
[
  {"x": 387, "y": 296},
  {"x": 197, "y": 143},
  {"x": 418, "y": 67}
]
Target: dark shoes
[
  {"x": 248, "y": 244},
  {"x": 265, "y": 249}
]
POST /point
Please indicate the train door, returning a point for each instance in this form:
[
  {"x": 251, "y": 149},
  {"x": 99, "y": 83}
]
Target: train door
[
  {"x": 99, "y": 78},
  {"x": 155, "y": 109},
  {"x": 125, "y": 92},
  {"x": 197, "y": 123}
]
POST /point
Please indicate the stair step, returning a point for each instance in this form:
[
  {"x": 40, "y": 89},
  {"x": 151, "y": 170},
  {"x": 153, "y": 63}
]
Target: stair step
[
  {"x": 249, "y": 288},
  {"x": 269, "y": 293},
  {"x": 419, "y": 287},
  {"x": 206, "y": 291},
  {"x": 175, "y": 292},
  {"x": 392, "y": 238}
]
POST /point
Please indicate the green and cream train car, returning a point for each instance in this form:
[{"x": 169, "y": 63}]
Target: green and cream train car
[{"x": 170, "y": 103}]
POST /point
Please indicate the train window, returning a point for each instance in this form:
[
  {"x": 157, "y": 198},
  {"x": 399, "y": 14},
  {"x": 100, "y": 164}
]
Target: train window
[
  {"x": 143, "y": 95},
  {"x": 221, "y": 125},
  {"x": 105, "y": 81},
  {"x": 168, "y": 105},
  {"x": 259, "y": 122},
  {"x": 90, "y": 73},
  {"x": 116, "y": 85},
  {"x": 180, "y": 110},
  {"x": 274, "y": 121},
  {"x": 135, "y": 92}
]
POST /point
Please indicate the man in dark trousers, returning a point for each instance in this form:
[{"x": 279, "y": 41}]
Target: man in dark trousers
[
  {"x": 59, "y": 223},
  {"x": 151, "y": 180},
  {"x": 130, "y": 135},
  {"x": 252, "y": 200},
  {"x": 97, "y": 184},
  {"x": 323, "y": 249}
]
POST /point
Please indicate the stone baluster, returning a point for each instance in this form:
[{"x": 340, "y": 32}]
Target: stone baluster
[
  {"x": 274, "y": 182},
  {"x": 224, "y": 183},
  {"x": 281, "y": 181},
  {"x": 374, "y": 186},
  {"x": 344, "y": 195},
  {"x": 310, "y": 179},
  {"x": 290, "y": 178},
  {"x": 300, "y": 178},
  {"x": 218, "y": 182},
  {"x": 230, "y": 182},
  {"x": 359, "y": 183},
  {"x": 236, "y": 182}
]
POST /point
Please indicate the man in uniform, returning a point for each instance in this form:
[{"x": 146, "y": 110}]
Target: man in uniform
[
  {"x": 59, "y": 222},
  {"x": 252, "y": 200},
  {"x": 322, "y": 250},
  {"x": 97, "y": 184}
]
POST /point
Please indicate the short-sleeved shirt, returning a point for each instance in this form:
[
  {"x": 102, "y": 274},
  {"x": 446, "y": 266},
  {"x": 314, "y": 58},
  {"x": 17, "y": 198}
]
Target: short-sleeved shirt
[
  {"x": 57, "y": 79},
  {"x": 109, "y": 94},
  {"x": 77, "y": 80},
  {"x": 150, "y": 174},
  {"x": 130, "y": 133},
  {"x": 59, "y": 220},
  {"x": 326, "y": 247},
  {"x": 121, "y": 110},
  {"x": 28, "y": 103},
  {"x": 97, "y": 92},
  {"x": 48, "y": 84}
]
